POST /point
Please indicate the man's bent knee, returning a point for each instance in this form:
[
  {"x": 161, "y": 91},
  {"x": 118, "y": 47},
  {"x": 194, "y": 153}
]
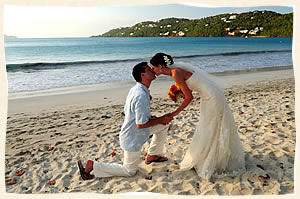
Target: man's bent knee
[{"x": 131, "y": 172}]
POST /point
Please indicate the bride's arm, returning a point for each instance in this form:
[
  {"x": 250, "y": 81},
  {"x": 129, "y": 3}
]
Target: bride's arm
[{"x": 178, "y": 77}]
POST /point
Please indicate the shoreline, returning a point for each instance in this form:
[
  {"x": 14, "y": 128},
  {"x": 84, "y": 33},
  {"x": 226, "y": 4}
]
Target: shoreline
[
  {"x": 107, "y": 85},
  {"x": 114, "y": 93}
]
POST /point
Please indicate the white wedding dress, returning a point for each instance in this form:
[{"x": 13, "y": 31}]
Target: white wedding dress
[{"x": 215, "y": 149}]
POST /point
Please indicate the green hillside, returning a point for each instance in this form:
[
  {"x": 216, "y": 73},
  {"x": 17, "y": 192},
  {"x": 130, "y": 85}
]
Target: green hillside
[{"x": 257, "y": 23}]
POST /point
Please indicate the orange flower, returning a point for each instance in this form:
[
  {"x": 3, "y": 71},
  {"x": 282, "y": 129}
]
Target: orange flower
[
  {"x": 172, "y": 97},
  {"x": 19, "y": 173},
  {"x": 10, "y": 181},
  {"x": 173, "y": 92},
  {"x": 50, "y": 149},
  {"x": 173, "y": 88},
  {"x": 51, "y": 182},
  {"x": 112, "y": 154}
]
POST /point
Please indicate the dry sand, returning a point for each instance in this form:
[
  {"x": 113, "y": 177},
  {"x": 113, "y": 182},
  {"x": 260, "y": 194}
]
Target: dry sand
[{"x": 46, "y": 138}]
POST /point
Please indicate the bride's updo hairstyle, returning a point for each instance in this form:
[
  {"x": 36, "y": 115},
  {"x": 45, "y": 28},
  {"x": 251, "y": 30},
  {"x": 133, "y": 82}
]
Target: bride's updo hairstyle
[{"x": 162, "y": 59}]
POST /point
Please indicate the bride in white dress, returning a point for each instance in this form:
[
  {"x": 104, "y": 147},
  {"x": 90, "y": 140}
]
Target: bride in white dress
[{"x": 215, "y": 148}]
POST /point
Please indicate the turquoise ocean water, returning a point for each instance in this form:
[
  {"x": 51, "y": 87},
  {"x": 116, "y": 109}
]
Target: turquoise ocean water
[{"x": 40, "y": 64}]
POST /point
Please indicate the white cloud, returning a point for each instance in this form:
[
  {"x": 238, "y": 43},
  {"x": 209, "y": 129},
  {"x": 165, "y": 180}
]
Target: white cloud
[{"x": 199, "y": 5}]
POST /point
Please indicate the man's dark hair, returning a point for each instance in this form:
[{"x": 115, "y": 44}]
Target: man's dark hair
[{"x": 138, "y": 69}]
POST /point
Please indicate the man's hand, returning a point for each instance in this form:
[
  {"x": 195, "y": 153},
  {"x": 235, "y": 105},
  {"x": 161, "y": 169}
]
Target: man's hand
[{"x": 165, "y": 119}]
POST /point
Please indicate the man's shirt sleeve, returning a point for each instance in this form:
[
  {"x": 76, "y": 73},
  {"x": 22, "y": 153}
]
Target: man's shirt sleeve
[{"x": 142, "y": 110}]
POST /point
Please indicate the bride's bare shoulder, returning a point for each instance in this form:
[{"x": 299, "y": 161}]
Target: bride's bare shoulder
[
  {"x": 179, "y": 70},
  {"x": 180, "y": 73}
]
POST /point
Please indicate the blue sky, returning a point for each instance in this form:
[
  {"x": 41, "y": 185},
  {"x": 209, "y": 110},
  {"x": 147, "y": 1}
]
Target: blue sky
[{"x": 50, "y": 21}]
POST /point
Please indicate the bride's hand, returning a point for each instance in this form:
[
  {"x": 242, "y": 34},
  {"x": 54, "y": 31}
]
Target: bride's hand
[{"x": 166, "y": 119}]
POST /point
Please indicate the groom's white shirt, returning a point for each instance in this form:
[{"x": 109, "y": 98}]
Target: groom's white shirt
[{"x": 137, "y": 111}]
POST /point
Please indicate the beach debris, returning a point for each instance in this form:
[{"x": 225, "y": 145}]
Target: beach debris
[
  {"x": 173, "y": 142},
  {"x": 273, "y": 131},
  {"x": 51, "y": 182},
  {"x": 105, "y": 117},
  {"x": 241, "y": 112},
  {"x": 281, "y": 165},
  {"x": 112, "y": 154},
  {"x": 10, "y": 181},
  {"x": 50, "y": 149},
  {"x": 148, "y": 177},
  {"x": 264, "y": 178},
  {"x": 259, "y": 166},
  {"x": 19, "y": 173}
]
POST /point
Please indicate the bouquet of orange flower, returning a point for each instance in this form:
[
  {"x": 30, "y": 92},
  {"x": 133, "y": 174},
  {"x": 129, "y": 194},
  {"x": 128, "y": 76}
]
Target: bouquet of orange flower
[{"x": 175, "y": 92}]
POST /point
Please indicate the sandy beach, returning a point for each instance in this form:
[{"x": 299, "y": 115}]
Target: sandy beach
[{"x": 47, "y": 132}]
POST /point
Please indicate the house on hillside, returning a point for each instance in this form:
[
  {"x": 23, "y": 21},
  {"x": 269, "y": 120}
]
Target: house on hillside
[
  {"x": 180, "y": 33},
  {"x": 252, "y": 32},
  {"x": 243, "y": 31},
  {"x": 232, "y": 17},
  {"x": 231, "y": 33}
]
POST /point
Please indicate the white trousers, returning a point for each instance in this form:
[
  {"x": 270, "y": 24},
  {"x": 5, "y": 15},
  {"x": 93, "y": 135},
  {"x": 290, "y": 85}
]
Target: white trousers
[{"x": 132, "y": 159}]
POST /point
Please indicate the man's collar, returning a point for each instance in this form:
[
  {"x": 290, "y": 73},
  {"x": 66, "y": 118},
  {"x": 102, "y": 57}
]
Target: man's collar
[{"x": 143, "y": 87}]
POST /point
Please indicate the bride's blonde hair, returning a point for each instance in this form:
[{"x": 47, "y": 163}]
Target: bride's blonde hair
[{"x": 162, "y": 59}]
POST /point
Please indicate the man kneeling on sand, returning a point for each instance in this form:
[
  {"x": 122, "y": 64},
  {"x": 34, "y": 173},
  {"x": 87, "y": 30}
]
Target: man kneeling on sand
[{"x": 136, "y": 129}]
